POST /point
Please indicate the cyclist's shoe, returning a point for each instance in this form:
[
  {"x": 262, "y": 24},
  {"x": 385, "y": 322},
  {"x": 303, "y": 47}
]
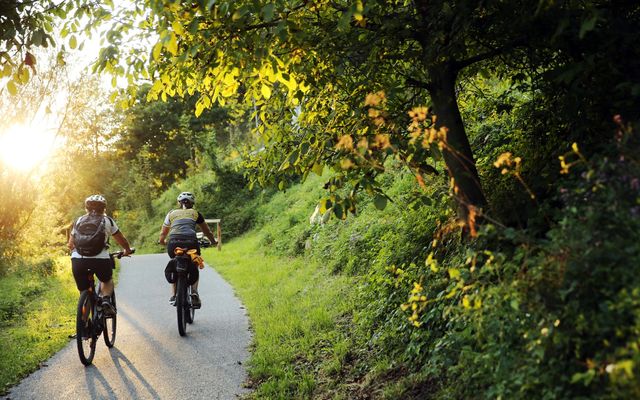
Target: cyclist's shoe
[
  {"x": 108, "y": 309},
  {"x": 195, "y": 301},
  {"x": 172, "y": 300}
]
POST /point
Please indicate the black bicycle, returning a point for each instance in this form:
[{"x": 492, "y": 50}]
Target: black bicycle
[
  {"x": 91, "y": 321},
  {"x": 185, "y": 310}
]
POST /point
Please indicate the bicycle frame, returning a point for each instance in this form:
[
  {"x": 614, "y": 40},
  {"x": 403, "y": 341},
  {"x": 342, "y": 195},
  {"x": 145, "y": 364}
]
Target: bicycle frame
[
  {"x": 91, "y": 321},
  {"x": 184, "y": 309}
]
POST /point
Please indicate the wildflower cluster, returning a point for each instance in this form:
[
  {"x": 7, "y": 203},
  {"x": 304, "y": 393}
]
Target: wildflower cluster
[
  {"x": 422, "y": 127},
  {"x": 363, "y": 143},
  {"x": 512, "y": 165},
  {"x": 376, "y": 103},
  {"x": 508, "y": 163},
  {"x": 417, "y": 302},
  {"x": 570, "y": 159}
]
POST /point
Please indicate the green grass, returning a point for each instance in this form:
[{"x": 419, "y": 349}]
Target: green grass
[
  {"x": 37, "y": 314},
  {"x": 298, "y": 313}
]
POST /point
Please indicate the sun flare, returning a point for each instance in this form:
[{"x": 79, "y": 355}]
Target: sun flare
[{"x": 25, "y": 147}]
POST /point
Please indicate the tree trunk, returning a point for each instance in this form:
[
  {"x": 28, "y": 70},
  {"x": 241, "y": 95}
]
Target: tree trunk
[{"x": 457, "y": 154}]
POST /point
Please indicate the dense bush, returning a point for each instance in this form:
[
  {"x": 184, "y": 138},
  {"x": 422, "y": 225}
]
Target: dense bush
[
  {"x": 546, "y": 310},
  {"x": 512, "y": 315}
]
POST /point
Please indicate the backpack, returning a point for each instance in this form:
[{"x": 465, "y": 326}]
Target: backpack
[{"x": 89, "y": 235}]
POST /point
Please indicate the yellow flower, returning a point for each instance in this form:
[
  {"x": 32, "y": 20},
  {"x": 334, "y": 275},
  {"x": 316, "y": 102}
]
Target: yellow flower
[
  {"x": 345, "y": 143},
  {"x": 374, "y": 99},
  {"x": 419, "y": 113},
  {"x": 574, "y": 147},
  {"x": 382, "y": 141},
  {"x": 465, "y": 302},
  {"x": 503, "y": 159},
  {"x": 363, "y": 143}
]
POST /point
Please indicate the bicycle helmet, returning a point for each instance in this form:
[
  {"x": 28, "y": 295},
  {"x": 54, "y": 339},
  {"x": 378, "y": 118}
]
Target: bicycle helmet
[
  {"x": 95, "y": 202},
  {"x": 186, "y": 198}
]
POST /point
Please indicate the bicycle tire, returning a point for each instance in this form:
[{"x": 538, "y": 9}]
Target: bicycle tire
[
  {"x": 110, "y": 324},
  {"x": 85, "y": 335},
  {"x": 190, "y": 310},
  {"x": 181, "y": 304}
]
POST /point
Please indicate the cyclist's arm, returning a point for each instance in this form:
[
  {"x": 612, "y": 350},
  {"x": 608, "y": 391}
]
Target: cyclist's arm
[
  {"x": 70, "y": 243},
  {"x": 163, "y": 235},
  {"x": 123, "y": 242},
  {"x": 207, "y": 232}
]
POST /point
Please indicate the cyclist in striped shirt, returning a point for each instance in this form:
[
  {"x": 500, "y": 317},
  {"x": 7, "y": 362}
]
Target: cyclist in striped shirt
[{"x": 180, "y": 226}]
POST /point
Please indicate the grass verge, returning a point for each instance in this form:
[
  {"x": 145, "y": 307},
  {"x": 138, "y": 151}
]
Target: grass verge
[
  {"x": 37, "y": 310},
  {"x": 299, "y": 314},
  {"x": 37, "y": 315}
]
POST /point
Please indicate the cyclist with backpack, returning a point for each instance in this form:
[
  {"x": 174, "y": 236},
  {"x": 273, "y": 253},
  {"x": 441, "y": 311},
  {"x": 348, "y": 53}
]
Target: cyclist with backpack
[
  {"x": 180, "y": 226},
  {"x": 89, "y": 241}
]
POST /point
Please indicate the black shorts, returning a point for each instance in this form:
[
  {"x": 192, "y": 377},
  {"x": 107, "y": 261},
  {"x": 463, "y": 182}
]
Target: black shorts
[
  {"x": 184, "y": 243},
  {"x": 194, "y": 274},
  {"x": 82, "y": 267}
]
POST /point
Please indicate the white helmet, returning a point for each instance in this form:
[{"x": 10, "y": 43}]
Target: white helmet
[
  {"x": 186, "y": 197},
  {"x": 95, "y": 201}
]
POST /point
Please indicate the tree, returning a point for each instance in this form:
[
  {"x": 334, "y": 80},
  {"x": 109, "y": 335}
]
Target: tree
[
  {"x": 309, "y": 66},
  {"x": 167, "y": 138},
  {"x": 26, "y": 26}
]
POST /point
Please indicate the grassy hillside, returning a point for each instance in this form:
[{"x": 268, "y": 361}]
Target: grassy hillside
[{"x": 415, "y": 310}]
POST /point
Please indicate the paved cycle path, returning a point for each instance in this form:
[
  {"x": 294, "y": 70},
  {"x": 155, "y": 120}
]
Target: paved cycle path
[{"x": 150, "y": 360}]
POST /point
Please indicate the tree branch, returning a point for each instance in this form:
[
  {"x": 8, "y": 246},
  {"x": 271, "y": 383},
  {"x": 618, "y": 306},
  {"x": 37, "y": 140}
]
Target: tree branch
[
  {"x": 419, "y": 84},
  {"x": 459, "y": 65}
]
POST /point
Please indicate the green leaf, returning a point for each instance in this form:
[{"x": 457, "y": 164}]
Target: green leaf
[
  {"x": 380, "y": 202},
  {"x": 588, "y": 26},
  {"x": 172, "y": 46},
  {"x": 339, "y": 212},
  {"x": 199, "y": 108},
  {"x": 317, "y": 169},
  {"x": 267, "y": 11},
  {"x": 345, "y": 20},
  {"x": 266, "y": 91},
  {"x": 36, "y": 38},
  {"x": 11, "y": 87},
  {"x": 73, "y": 42},
  {"x": 177, "y": 28},
  {"x": 157, "y": 49}
]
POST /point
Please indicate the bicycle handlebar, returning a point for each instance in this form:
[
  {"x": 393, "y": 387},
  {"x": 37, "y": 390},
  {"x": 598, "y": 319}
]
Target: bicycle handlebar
[{"x": 120, "y": 254}]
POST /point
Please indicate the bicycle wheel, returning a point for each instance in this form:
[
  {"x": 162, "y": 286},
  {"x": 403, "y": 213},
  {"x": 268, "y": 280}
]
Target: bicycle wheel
[
  {"x": 85, "y": 335},
  {"x": 109, "y": 329},
  {"x": 181, "y": 304},
  {"x": 191, "y": 312}
]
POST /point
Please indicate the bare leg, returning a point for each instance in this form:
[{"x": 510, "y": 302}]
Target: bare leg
[
  {"x": 194, "y": 287},
  {"x": 173, "y": 289},
  {"x": 106, "y": 288}
]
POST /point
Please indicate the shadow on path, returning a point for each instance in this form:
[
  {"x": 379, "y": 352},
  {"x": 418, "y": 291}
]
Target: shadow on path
[{"x": 122, "y": 363}]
